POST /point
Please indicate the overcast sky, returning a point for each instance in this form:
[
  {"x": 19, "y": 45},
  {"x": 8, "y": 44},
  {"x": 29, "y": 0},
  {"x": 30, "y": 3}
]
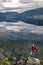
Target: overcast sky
[
  {"x": 17, "y": 26},
  {"x": 23, "y": 4}
]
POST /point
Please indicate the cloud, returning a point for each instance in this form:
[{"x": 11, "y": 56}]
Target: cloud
[
  {"x": 18, "y": 26},
  {"x": 37, "y": 0},
  {"x": 25, "y": 1},
  {"x": 21, "y": 5}
]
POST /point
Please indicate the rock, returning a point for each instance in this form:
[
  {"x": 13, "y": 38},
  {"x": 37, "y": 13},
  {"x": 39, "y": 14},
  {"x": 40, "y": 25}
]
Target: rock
[
  {"x": 33, "y": 61},
  {"x": 41, "y": 62},
  {"x": 37, "y": 61},
  {"x": 12, "y": 60},
  {"x": 21, "y": 61}
]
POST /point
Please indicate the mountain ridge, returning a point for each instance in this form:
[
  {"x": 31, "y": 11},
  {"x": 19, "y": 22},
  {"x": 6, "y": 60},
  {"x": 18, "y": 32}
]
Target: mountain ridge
[{"x": 31, "y": 17}]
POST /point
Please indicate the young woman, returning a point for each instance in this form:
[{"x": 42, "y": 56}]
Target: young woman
[{"x": 34, "y": 50}]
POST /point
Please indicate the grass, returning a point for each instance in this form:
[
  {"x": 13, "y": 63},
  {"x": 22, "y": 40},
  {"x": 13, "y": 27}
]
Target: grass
[{"x": 10, "y": 48}]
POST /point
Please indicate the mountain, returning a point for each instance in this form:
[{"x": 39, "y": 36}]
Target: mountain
[
  {"x": 31, "y": 16},
  {"x": 38, "y": 11}
]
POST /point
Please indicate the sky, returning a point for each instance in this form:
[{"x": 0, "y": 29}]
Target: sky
[
  {"x": 17, "y": 26},
  {"x": 22, "y": 4}
]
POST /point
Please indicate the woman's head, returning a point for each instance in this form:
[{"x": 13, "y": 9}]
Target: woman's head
[{"x": 34, "y": 45}]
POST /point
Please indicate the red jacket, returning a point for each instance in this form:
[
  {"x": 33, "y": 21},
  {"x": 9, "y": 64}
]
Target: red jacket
[{"x": 34, "y": 48}]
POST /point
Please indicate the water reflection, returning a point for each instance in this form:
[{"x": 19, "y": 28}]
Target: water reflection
[{"x": 25, "y": 17}]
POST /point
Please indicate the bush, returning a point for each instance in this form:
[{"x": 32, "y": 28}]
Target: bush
[{"x": 4, "y": 62}]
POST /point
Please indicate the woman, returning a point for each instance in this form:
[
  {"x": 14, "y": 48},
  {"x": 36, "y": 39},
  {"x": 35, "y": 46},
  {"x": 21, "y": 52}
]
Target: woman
[{"x": 34, "y": 50}]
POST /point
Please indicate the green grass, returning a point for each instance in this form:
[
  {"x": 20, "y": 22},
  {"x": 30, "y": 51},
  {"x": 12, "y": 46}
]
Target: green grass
[{"x": 11, "y": 48}]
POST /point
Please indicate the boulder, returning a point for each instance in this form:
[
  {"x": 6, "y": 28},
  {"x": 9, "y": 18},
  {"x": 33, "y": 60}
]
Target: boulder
[{"x": 33, "y": 61}]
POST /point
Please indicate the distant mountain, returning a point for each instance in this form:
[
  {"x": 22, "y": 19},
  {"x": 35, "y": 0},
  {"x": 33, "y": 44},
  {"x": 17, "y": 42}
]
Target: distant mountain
[
  {"x": 9, "y": 16},
  {"x": 38, "y": 11},
  {"x": 31, "y": 16}
]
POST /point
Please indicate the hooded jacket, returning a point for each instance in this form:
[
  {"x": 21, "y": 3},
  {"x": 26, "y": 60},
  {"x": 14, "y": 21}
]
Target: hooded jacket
[{"x": 34, "y": 48}]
